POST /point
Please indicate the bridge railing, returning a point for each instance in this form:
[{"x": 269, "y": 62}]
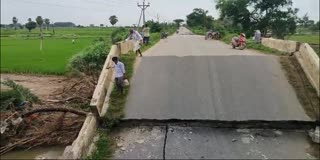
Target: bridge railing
[
  {"x": 306, "y": 56},
  {"x": 83, "y": 145},
  {"x": 101, "y": 96}
]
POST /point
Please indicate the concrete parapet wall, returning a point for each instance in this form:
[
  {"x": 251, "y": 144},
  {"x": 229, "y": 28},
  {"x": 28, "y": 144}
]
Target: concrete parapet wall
[
  {"x": 281, "y": 45},
  {"x": 305, "y": 55},
  {"x": 84, "y": 144},
  {"x": 125, "y": 47},
  {"x": 309, "y": 61},
  {"x": 80, "y": 146}
]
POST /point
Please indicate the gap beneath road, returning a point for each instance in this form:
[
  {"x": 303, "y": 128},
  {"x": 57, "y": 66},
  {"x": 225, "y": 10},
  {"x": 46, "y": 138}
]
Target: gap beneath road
[{"x": 255, "y": 124}]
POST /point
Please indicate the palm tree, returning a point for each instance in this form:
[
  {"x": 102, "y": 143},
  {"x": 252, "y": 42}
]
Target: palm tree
[
  {"x": 39, "y": 21},
  {"x": 47, "y": 22},
  {"x": 113, "y": 20},
  {"x": 15, "y": 21}
]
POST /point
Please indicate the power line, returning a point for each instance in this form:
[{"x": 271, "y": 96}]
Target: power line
[{"x": 143, "y": 7}]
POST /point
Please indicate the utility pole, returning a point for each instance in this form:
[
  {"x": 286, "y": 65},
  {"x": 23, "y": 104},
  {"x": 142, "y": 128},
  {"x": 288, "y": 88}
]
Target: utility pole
[
  {"x": 158, "y": 18},
  {"x": 143, "y": 8}
]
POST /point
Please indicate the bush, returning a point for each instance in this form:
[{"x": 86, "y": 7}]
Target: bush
[
  {"x": 156, "y": 27},
  {"x": 91, "y": 60},
  {"x": 119, "y": 34},
  {"x": 16, "y": 95},
  {"x": 8, "y": 98}
]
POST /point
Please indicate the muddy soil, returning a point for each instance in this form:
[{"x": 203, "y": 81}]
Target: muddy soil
[{"x": 41, "y": 86}]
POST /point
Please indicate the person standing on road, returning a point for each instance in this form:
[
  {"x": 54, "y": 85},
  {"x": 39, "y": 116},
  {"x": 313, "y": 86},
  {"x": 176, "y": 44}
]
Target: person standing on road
[
  {"x": 137, "y": 40},
  {"x": 146, "y": 34},
  {"x": 120, "y": 73},
  {"x": 257, "y": 36}
]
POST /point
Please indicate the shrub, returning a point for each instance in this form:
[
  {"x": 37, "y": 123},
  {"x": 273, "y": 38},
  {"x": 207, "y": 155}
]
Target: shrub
[
  {"x": 16, "y": 95},
  {"x": 91, "y": 60},
  {"x": 119, "y": 34}
]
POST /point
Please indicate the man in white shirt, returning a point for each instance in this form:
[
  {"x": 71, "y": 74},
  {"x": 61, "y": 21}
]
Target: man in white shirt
[
  {"x": 120, "y": 73},
  {"x": 137, "y": 40}
]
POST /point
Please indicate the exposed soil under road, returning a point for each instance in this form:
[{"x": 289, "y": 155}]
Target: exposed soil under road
[{"x": 41, "y": 86}]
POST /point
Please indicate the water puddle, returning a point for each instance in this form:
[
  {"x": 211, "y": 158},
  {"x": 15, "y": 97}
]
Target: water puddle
[{"x": 39, "y": 153}]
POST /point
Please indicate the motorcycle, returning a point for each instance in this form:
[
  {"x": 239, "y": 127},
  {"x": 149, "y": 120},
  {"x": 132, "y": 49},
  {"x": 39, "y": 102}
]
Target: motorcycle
[
  {"x": 164, "y": 35},
  {"x": 212, "y": 35},
  {"x": 239, "y": 42}
]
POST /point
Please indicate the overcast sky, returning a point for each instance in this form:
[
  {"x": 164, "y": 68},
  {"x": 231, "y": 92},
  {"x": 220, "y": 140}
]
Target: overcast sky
[{"x": 97, "y": 12}]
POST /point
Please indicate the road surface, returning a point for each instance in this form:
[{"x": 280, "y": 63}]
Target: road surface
[{"x": 188, "y": 78}]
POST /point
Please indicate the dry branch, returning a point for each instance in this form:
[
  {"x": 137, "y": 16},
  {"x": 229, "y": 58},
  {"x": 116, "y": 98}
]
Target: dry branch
[{"x": 81, "y": 113}]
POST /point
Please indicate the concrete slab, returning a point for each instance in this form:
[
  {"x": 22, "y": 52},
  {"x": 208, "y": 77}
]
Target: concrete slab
[
  {"x": 231, "y": 88},
  {"x": 211, "y": 143},
  {"x": 140, "y": 143},
  {"x": 144, "y": 142}
]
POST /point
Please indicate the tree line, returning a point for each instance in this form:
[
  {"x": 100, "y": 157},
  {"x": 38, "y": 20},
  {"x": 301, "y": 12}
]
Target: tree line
[
  {"x": 45, "y": 22},
  {"x": 277, "y": 17}
]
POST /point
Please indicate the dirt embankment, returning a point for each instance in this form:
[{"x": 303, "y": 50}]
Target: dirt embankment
[{"x": 47, "y": 128}]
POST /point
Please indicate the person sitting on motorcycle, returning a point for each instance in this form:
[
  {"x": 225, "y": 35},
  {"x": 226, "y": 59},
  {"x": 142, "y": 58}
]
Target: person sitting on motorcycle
[{"x": 241, "y": 38}]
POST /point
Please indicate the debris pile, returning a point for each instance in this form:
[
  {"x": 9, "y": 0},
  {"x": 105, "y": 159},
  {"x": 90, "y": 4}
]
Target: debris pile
[{"x": 54, "y": 121}]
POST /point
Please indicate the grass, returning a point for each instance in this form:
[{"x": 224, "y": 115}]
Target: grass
[
  {"x": 313, "y": 41},
  {"x": 117, "y": 101},
  {"x": 198, "y": 31},
  {"x": 20, "y": 51},
  {"x": 59, "y": 32},
  {"x": 115, "y": 113},
  {"x": 104, "y": 149},
  {"x": 24, "y": 56}
]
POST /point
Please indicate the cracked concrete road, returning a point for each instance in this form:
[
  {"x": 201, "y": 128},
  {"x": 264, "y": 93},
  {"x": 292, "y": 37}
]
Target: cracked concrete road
[
  {"x": 174, "y": 142},
  {"x": 185, "y": 77}
]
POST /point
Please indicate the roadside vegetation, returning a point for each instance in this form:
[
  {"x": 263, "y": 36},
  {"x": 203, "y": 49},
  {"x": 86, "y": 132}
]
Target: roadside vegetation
[
  {"x": 15, "y": 95},
  {"x": 277, "y": 19},
  {"x": 313, "y": 40}
]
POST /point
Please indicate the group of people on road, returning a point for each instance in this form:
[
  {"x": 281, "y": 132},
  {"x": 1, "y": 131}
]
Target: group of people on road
[
  {"x": 119, "y": 68},
  {"x": 139, "y": 38}
]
